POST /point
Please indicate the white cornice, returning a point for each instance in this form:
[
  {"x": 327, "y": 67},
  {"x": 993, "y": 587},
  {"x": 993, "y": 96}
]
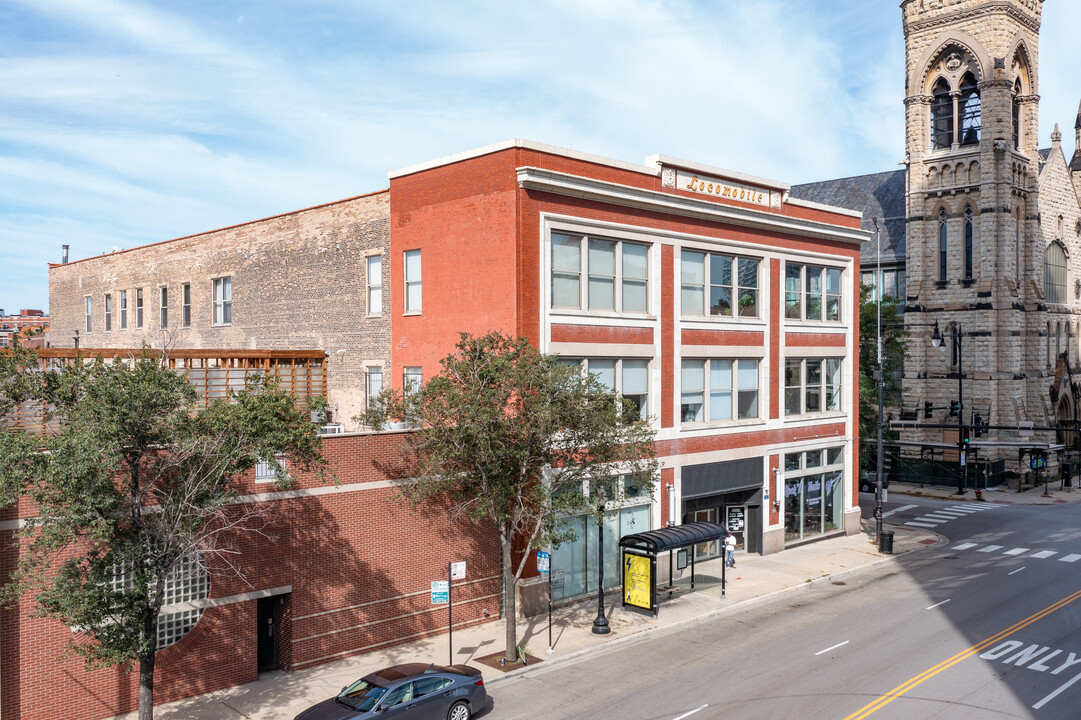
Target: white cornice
[
  {"x": 526, "y": 145},
  {"x": 531, "y": 178},
  {"x": 668, "y": 161}
]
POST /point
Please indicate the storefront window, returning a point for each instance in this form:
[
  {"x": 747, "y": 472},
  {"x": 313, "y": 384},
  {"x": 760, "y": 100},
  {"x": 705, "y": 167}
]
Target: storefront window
[
  {"x": 813, "y": 493},
  {"x": 574, "y": 563}
]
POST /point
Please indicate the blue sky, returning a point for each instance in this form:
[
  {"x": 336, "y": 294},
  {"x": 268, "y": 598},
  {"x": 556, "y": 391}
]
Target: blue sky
[{"x": 125, "y": 122}]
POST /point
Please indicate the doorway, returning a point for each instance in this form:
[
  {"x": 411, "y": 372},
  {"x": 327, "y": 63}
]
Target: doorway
[
  {"x": 711, "y": 549},
  {"x": 270, "y": 629}
]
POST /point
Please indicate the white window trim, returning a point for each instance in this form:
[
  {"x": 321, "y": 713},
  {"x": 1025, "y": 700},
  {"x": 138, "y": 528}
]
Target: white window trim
[
  {"x": 583, "y": 366},
  {"x": 407, "y": 282},
  {"x": 377, "y": 286},
  {"x": 735, "y": 420},
  {"x": 705, "y": 315},
  {"x": 584, "y": 235},
  {"x": 803, "y": 413},
  {"x": 218, "y": 305},
  {"x": 823, "y": 295}
]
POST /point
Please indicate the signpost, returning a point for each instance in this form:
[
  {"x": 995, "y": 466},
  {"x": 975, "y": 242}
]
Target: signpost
[
  {"x": 544, "y": 565},
  {"x": 441, "y": 596}
]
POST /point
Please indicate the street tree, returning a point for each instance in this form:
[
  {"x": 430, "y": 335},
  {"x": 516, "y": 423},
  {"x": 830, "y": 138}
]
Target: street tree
[
  {"x": 517, "y": 440},
  {"x": 139, "y": 482},
  {"x": 893, "y": 352}
]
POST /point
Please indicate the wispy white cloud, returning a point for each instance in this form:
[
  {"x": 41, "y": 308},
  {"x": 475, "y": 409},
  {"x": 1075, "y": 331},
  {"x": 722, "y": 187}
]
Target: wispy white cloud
[{"x": 129, "y": 122}]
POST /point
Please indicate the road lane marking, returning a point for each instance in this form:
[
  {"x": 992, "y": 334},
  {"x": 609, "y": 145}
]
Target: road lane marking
[
  {"x": 923, "y": 525},
  {"x": 964, "y": 546},
  {"x": 1017, "y": 570},
  {"x": 937, "y": 604},
  {"x": 692, "y": 712},
  {"x": 897, "y": 510},
  {"x": 1016, "y": 551},
  {"x": 946, "y": 664},
  {"x": 940, "y": 518},
  {"x": 964, "y": 510},
  {"x": 1044, "y": 554},
  {"x": 1070, "y": 558},
  {"x": 990, "y": 548},
  {"x": 1055, "y": 694},
  {"x": 832, "y": 648}
]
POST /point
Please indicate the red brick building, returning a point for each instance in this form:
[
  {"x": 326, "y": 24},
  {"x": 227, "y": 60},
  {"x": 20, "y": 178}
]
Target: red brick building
[{"x": 727, "y": 311}]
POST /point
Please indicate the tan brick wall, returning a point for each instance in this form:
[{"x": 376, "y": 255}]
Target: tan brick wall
[
  {"x": 1001, "y": 310},
  {"x": 298, "y": 282}
]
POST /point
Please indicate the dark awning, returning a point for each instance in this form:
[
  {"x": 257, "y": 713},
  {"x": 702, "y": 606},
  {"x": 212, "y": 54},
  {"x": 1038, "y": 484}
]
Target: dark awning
[
  {"x": 721, "y": 477},
  {"x": 669, "y": 538}
]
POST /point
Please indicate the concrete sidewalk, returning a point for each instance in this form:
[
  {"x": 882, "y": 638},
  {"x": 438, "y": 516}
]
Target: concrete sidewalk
[
  {"x": 1026, "y": 495},
  {"x": 281, "y": 695}
]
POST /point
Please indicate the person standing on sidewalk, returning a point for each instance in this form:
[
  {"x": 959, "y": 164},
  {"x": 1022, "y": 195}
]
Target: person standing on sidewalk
[{"x": 730, "y": 551}]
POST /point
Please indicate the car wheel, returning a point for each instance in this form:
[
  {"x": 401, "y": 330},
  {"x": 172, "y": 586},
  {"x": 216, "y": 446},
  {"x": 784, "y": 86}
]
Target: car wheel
[{"x": 458, "y": 711}]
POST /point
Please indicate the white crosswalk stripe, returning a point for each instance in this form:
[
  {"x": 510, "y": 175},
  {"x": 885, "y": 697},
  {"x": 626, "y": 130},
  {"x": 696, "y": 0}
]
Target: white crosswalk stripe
[
  {"x": 1070, "y": 558},
  {"x": 990, "y": 548},
  {"x": 1016, "y": 551},
  {"x": 964, "y": 546},
  {"x": 1044, "y": 554},
  {"x": 936, "y": 516},
  {"x": 922, "y": 525}
]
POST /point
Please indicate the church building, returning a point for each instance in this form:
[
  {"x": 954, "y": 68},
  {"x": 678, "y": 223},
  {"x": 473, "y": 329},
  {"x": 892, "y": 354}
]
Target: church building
[{"x": 980, "y": 235}]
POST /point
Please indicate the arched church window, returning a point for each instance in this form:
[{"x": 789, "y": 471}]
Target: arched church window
[
  {"x": 941, "y": 116},
  {"x": 968, "y": 243},
  {"x": 970, "y": 110},
  {"x": 1054, "y": 274},
  {"x": 1017, "y": 113},
  {"x": 942, "y": 246}
]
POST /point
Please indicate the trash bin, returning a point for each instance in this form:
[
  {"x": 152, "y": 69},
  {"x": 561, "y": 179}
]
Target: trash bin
[{"x": 885, "y": 542}]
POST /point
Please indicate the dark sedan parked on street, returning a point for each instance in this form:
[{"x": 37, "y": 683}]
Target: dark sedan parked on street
[{"x": 413, "y": 691}]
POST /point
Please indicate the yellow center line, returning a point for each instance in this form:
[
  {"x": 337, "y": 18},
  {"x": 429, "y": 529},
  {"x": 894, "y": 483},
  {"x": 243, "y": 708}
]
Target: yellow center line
[{"x": 904, "y": 687}]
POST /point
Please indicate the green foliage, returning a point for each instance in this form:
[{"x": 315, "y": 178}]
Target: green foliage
[
  {"x": 894, "y": 338},
  {"x": 513, "y": 438},
  {"x": 139, "y": 478}
]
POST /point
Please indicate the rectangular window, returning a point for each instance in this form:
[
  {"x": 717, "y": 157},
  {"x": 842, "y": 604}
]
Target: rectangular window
[
  {"x": 89, "y": 309},
  {"x": 139, "y": 308},
  {"x": 628, "y": 378},
  {"x": 412, "y": 281},
  {"x": 266, "y": 471},
  {"x": 412, "y": 379},
  {"x": 375, "y": 285},
  {"x": 733, "y": 390},
  {"x": 373, "y": 382},
  {"x": 812, "y": 293},
  {"x": 812, "y": 385},
  {"x": 123, "y": 309},
  {"x": 108, "y": 313},
  {"x": 185, "y": 305},
  {"x": 223, "y": 301},
  {"x": 617, "y": 274},
  {"x": 731, "y": 290},
  {"x": 164, "y": 307}
]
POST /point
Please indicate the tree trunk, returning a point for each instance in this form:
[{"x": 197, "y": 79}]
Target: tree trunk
[
  {"x": 510, "y": 611},
  {"x": 146, "y": 666}
]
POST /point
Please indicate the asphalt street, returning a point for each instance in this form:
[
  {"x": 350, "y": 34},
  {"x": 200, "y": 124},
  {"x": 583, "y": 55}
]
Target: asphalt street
[{"x": 987, "y": 625}]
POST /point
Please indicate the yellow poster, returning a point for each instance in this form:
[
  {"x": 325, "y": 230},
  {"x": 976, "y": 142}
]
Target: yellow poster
[{"x": 637, "y": 583}]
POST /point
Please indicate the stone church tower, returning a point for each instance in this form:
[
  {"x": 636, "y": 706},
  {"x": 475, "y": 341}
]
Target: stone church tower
[{"x": 987, "y": 256}]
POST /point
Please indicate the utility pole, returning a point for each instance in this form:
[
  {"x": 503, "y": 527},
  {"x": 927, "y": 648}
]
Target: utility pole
[{"x": 880, "y": 380}]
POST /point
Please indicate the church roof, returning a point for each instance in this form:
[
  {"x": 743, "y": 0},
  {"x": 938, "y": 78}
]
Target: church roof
[{"x": 879, "y": 195}]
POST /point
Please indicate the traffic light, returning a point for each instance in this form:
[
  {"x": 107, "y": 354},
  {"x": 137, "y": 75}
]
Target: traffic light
[
  {"x": 955, "y": 408},
  {"x": 927, "y": 408},
  {"x": 964, "y": 440},
  {"x": 977, "y": 424}
]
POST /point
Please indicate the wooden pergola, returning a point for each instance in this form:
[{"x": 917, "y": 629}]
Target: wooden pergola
[{"x": 213, "y": 372}]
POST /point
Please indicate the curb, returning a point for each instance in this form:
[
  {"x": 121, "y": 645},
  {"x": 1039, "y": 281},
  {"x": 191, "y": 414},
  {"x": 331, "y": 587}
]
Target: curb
[{"x": 656, "y": 632}]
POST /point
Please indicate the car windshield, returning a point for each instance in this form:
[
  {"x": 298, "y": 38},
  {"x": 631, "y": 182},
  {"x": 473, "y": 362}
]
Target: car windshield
[{"x": 361, "y": 695}]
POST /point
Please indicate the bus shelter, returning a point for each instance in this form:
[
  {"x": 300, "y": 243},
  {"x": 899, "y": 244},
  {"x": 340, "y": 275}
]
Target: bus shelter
[{"x": 639, "y": 554}]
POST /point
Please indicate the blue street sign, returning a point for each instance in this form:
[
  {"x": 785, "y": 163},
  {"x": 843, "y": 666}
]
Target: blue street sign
[
  {"x": 440, "y": 592},
  {"x": 544, "y": 561}
]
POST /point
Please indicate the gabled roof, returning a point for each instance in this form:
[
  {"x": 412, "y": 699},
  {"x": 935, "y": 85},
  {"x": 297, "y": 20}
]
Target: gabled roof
[{"x": 879, "y": 195}]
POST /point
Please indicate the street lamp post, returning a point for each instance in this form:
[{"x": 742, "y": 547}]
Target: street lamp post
[
  {"x": 600, "y": 624},
  {"x": 936, "y": 340}
]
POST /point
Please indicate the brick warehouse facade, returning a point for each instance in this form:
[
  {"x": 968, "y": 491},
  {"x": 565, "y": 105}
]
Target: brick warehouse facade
[
  {"x": 347, "y": 569},
  {"x": 297, "y": 281},
  {"x": 727, "y": 310}
]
